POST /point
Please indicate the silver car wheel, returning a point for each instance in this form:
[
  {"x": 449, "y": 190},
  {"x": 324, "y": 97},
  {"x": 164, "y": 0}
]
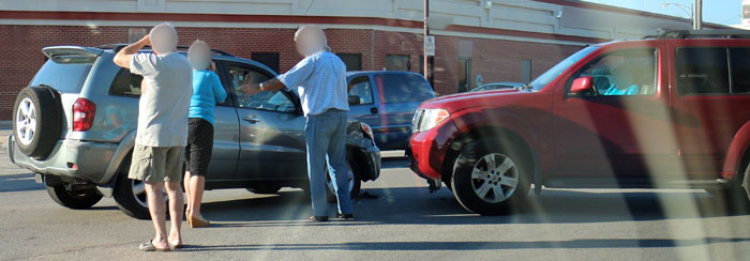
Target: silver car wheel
[
  {"x": 350, "y": 176},
  {"x": 139, "y": 193},
  {"x": 26, "y": 121},
  {"x": 494, "y": 177}
]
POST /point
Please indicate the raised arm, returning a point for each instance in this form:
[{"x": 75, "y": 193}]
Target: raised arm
[{"x": 125, "y": 55}]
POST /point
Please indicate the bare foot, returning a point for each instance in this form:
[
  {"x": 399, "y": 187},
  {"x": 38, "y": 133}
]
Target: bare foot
[{"x": 175, "y": 241}]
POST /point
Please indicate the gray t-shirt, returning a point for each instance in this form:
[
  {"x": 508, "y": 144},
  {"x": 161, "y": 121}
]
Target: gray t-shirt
[{"x": 164, "y": 106}]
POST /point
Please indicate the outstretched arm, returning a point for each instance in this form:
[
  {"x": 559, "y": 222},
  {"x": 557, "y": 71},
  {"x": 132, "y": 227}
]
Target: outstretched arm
[
  {"x": 125, "y": 55},
  {"x": 269, "y": 85}
]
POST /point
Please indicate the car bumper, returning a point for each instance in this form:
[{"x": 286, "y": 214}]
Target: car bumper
[
  {"x": 70, "y": 158},
  {"x": 372, "y": 156},
  {"x": 426, "y": 150}
]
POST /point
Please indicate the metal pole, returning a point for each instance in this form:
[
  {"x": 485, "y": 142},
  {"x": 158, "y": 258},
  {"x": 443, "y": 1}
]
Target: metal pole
[
  {"x": 698, "y": 15},
  {"x": 426, "y": 58}
]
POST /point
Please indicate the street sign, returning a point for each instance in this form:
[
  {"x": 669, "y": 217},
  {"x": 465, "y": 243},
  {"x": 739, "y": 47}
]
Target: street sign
[{"x": 429, "y": 45}]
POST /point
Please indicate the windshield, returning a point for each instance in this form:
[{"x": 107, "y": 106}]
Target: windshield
[{"x": 558, "y": 69}]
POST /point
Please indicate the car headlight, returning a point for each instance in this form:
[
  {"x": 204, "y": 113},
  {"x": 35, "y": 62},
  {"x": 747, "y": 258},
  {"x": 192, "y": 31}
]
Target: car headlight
[
  {"x": 427, "y": 119},
  {"x": 367, "y": 130}
]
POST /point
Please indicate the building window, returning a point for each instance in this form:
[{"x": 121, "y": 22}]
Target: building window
[
  {"x": 397, "y": 63},
  {"x": 353, "y": 61},
  {"x": 526, "y": 71},
  {"x": 268, "y": 59}
]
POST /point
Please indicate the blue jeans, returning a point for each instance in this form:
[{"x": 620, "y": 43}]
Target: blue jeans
[{"x": 326, "y": 140}]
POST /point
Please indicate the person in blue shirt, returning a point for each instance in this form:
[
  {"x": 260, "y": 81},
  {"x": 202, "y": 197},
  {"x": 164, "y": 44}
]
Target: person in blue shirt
[
  {"x": 622, "y": 82},
  {"x": 207, "y": 92}
]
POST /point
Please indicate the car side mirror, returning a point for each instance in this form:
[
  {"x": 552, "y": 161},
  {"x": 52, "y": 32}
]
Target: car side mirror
[
  {"x": 354, "y": 100},
  {"x": 582, "y": 84}
]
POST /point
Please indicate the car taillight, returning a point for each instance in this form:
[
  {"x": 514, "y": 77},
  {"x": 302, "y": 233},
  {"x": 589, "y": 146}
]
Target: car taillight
[{"x": 83, "y": 114}]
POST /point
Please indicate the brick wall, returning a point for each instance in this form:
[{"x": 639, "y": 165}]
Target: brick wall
[{"x": 496, "y": 60}]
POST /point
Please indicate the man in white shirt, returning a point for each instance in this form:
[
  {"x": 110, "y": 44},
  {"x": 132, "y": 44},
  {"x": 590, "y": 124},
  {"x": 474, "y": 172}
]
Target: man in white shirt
[
  {"x": 162, "y": 130},
  {"x": 320, "y": 80}
]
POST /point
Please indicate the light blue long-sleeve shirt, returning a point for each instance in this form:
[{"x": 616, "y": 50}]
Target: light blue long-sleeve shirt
[
  {"x": 207, "y": 92},
  {"x": 320, "y": 80}
]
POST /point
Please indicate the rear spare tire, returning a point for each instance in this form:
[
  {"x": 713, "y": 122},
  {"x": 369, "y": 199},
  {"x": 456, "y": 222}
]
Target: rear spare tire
[{"x": 37, "y": 120}]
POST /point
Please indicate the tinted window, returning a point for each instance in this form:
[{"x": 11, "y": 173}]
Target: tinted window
[
  {"x": 269, "y": 59},
  {"x": 702, "y": 70},
  {"x": 361, "y": 88},
  {"x": 271, "y": 101},
  {"x": 64, "y": 77},
  {"x": 126, "y": 84},
  {"x": 397, "y": 63},
  {"x": 623, "y": 72},
  {"x": 353, "y": 61},
  {"x": 401, "y": 88},
  {"x": 740, "y": 58}
]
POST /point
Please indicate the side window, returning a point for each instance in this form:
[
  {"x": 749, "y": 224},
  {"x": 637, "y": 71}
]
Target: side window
[
  {"x": 402, "y": 88},
  {"x": 622, "y": 72},
  {"x": 361, "y": 88},
  {"x": 270, "y": 101},
  {"x": 702, "y": 70},
  {"x": 740, "y": 65},
  {"x": 126, "y": 84}
]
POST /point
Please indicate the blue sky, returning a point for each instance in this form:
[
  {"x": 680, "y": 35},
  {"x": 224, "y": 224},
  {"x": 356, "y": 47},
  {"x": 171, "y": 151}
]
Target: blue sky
[{"x": 716, "y": 11}]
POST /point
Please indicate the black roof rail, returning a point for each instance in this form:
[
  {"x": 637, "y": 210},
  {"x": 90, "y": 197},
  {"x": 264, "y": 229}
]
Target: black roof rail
[
  {"x": 719, "y": 33},
  {"x": 118, "y": 47}
]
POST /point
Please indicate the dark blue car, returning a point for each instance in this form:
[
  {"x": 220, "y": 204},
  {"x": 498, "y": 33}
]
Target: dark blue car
[{"x": 387, "y": 100}]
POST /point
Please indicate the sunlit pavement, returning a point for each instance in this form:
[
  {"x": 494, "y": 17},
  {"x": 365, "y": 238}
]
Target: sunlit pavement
[{"x": 404, "y": 222}]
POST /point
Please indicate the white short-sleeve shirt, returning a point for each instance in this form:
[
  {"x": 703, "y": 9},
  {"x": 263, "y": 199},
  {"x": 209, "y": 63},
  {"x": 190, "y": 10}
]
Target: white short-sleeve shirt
[
  {"x": 320, "y": 80},
  {"x": 164, "y": 106}
]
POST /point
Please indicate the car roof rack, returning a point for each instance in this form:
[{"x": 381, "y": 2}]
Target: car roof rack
[
  {"x": 692, "y": 34},
  {"x": 118, "y": 47}
]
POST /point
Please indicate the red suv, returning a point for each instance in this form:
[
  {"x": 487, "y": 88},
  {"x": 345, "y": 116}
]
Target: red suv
[{"x": 668, "y": 111}]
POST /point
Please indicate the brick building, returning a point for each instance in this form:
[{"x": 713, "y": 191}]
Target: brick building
[{"x": 499, "y": 40}]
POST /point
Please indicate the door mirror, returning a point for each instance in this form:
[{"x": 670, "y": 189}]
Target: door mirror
[
  {"x": 354, "y": 100},
  {"x": 582, "y": 84}
]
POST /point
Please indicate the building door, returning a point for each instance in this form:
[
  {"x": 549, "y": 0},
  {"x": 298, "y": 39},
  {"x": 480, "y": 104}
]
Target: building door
[
  {"x": 464, "y": 70},
  {"x": 525, "y": 71}
]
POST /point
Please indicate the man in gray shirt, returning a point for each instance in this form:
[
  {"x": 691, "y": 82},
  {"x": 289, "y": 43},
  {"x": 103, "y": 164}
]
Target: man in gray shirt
[
  {"x": 161, "y": 134},
  {"x": 320, "y": 80}
]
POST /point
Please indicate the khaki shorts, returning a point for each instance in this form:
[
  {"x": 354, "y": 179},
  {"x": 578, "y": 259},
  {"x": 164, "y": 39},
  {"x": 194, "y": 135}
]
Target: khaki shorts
[{"x": 157, "y": 164}]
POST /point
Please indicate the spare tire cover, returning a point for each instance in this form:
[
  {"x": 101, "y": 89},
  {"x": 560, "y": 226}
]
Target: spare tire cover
[{"x": 37, "y": 121}]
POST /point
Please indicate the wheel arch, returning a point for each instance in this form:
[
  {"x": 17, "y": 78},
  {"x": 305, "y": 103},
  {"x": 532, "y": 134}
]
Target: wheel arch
[{"x": 738, "y": 153}]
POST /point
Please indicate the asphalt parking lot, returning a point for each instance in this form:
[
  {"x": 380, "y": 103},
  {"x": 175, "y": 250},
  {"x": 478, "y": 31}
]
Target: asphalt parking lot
[{"x": 400, "y": 221}]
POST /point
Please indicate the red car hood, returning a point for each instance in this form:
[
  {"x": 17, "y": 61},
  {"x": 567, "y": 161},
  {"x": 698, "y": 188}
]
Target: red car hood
[{"x": 455, "y": 102}]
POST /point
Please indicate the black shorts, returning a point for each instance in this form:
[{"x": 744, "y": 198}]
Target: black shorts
[{"x": 200, "y": 145}]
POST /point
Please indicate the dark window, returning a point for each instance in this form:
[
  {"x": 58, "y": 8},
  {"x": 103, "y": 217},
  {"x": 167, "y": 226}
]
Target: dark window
[
  {"x": 126, "y": 84},
  {"x": 622, "y": 72},
  {"x": 397, "y": 63},
  {"x": 402, "y": 88},
  {"x": 361, "y": 88},
  {"x": 464, "y": 70},
  {"x": 702, "y": 70},
  {"x": 526, "y": 71},
  {"x": 740, "y": 58},
  {"x": 269, "y": 59},
  {"x": 353, "y": 61}
]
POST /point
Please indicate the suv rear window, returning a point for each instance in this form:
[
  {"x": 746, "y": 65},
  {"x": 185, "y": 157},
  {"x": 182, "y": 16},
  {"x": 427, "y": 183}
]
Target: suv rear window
[
  {"x": 63, "y": 77},
  {"x": 402, "y": 88},
  {"x": 706, "y": 70},
  {"x": 126, "y": 84}
]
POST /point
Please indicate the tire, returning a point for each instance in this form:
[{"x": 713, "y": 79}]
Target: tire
[
  {"x": 80, "y": 199},
  {"x": 508, "y": 189},
  {"x": 734, "y": 197},
  {"x": 265, "y": 188},
  {"x": 355, "y": 180},
  {"x": 37, "y": 121},
  {"x": 130, "y": 195}
]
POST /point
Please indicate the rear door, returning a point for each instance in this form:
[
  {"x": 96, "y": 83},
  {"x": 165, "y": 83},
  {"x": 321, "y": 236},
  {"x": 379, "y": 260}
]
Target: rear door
[
  {"x": 398, "y": 96},
  {"x": 711, "y": 98}
]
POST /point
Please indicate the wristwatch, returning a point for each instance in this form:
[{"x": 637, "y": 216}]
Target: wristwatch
[{"x": 261, "y": 87}]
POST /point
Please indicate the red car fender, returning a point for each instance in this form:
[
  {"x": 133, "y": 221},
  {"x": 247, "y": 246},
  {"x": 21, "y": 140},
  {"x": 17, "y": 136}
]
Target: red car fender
[{"x": 736, "y": 152}]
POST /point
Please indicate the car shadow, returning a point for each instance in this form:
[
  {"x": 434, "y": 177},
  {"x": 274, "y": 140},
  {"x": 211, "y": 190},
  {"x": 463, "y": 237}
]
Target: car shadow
[
  {"x": 19, "y": 182},
  {"x": 415, "y": 205}
]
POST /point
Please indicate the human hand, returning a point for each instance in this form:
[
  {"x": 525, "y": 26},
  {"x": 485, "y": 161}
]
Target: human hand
[{"x": 250, "y": 89}]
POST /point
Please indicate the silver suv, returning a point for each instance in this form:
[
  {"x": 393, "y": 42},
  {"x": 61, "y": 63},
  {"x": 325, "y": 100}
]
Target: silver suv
[{"x": 75, "y": 128}]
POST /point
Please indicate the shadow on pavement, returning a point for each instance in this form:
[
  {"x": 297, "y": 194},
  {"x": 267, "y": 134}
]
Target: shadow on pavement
[
  {"x": 468, "y": 246},
  {"x": 415, "y": 205},
  {"x": 19, "y": 182}
]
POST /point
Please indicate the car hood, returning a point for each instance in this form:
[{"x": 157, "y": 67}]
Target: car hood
[{"x": 460, "y": 101}]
